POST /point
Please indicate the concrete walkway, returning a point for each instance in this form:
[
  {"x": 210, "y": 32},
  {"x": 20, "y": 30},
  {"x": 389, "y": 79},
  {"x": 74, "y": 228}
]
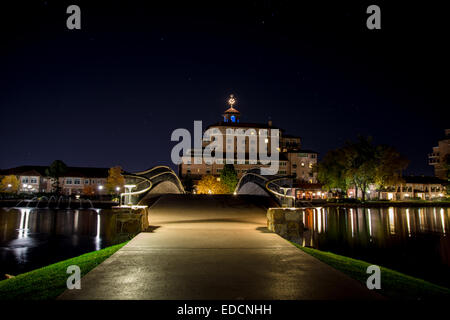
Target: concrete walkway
[{"x": 213, "y": 248}]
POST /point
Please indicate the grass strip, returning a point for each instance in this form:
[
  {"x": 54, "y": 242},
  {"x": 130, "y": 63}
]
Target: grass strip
[
  {"x": 394, "y": 284},
  {"x": 49, "y": 282}
]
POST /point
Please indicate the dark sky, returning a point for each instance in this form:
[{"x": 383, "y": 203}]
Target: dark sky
[{"x": 112, "y": 92}]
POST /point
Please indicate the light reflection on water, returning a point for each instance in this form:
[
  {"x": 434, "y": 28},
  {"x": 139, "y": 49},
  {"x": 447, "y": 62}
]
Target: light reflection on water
[
  {"x": 32, "y": 238},
  {"x": 412, "y": 240}
]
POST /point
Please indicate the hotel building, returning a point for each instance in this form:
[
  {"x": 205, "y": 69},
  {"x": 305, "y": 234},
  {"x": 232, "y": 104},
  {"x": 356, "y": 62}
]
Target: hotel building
[
  {"x": 439, "y": 158},
  {"x": 292, "y": 159}
]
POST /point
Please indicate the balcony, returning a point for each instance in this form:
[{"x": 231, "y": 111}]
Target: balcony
[
  {"x": 433, "y": 161},
  {"x": 433, "y": 155}
]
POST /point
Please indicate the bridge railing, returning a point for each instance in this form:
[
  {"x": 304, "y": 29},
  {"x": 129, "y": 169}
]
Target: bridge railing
[{"x": 147, "y": 180}]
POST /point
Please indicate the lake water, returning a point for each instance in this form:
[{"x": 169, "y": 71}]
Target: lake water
[
  {"x": 31, "y": 238},
  {"x": 412, "y": 240}
]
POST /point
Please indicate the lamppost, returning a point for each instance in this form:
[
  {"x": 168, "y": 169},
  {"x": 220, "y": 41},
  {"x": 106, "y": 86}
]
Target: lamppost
[
  {"x": 285, "y": 190},
  {"x": 129, "y": 187}
]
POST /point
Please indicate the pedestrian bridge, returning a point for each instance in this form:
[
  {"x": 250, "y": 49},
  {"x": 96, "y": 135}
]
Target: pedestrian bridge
[
  {"x": 145, "y": 185},
  {"x": 274, "y": 186},
  {"x": 142, "y": 187}
]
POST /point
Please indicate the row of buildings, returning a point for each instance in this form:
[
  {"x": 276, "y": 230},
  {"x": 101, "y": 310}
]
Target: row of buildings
[{"x": 76, "y": 180}]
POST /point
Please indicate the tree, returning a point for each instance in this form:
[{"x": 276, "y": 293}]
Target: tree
[
  {"x": 360, "y": 164},
  {"x": 211, "y": 185},
  {"x": 10, "y": 184},
  {"x": 115, "y": 180},
  {"x": 389, "y": 167},
  {"x": 56, "y": 170},
  {"x": 229, "y": 178},
  {"x": 331, "y": 172},
  {"x": 88, "y": 190}
]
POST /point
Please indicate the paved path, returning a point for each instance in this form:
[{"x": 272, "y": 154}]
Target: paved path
[{"x": 213, "y": 248}]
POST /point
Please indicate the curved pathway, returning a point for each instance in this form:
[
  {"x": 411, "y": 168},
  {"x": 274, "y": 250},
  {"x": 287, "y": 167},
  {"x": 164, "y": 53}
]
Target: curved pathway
[{"x": 206, "y": 247}]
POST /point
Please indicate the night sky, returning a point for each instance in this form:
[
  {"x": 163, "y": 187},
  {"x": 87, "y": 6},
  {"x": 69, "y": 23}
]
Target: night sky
[{"x": 113, "y": 92}]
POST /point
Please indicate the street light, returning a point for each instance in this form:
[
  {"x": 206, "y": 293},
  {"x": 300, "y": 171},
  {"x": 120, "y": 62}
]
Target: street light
[
  {"x": 285, "y": 190},
  {"x": 129, "y": 187}
]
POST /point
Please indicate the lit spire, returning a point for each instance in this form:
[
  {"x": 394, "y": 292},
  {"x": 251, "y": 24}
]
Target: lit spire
[{"x": 232, "y": 100}]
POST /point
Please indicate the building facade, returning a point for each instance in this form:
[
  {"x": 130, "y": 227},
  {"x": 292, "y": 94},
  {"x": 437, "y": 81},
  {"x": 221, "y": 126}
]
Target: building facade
[
  {"x": 412, "y": 187},
  {"x": 292, "y": 159},
  {"x": 439, "y": 159},
  {"x": 76, "y": 180}
]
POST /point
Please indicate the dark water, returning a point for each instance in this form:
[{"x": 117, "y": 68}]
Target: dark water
[
  {"x": 411, "y": 240},
  {"x": 31, "y": 238}
]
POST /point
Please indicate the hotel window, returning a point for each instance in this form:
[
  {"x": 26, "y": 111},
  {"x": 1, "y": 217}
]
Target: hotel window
[
  {"x": 310, "y": 165},
  {"x": 68, "y": 181},
  {"x": 86, "y": 181},
  {"x": 24, "y": 180},
  {"x": 33, "y": 180},
  {"x": 77, "y": 181},
  {"x": 188, "y": 170}
]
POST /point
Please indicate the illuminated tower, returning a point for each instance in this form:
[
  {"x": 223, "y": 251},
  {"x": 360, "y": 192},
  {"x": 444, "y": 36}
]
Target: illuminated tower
[{"x": 231, "y": 114}]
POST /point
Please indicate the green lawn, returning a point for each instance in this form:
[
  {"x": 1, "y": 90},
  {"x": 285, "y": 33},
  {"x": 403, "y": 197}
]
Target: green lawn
[
  {"x": 49, "y": 282},
  {"x": 394, "y": 285}
]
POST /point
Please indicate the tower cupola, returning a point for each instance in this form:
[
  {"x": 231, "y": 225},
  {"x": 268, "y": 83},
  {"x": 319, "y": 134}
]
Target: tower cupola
[{"x": 231, "y": 114}]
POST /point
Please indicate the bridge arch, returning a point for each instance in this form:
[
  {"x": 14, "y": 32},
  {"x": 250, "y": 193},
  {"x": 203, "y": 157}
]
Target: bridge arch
[
  {"x": 252, "y": 182},
  {"x": 149, "y": 183}
]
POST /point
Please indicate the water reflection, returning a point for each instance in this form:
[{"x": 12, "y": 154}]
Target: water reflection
[
  {"x": 412, "y": 240},
  {"x": 31, "y": 238}
]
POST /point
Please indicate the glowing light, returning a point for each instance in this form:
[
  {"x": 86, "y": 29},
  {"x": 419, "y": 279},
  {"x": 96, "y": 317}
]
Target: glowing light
[
  {"x": 408, "y": 222},
  {"x": 370, "y": 222},
  {"x": 319, "y": 220},
  {"x": 100, "y": 187},
  {"x": 117, "y": 188},
  {"x": 231, "y": 100},
  {"x": 351, "y": 222},
  {"x": 442, "y": 220},
  {"x": 391, "y": 220}
]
